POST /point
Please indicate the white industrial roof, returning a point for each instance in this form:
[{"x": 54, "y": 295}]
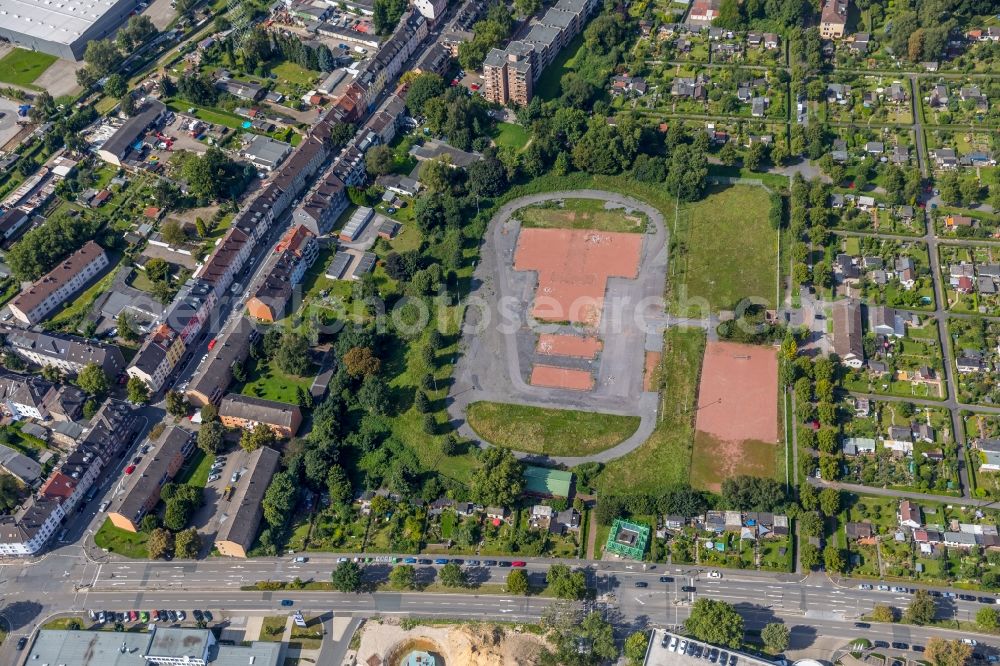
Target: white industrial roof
[{"x": 61, "y": 21}]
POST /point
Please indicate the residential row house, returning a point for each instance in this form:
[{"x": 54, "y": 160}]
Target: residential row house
[
  {"x": 68, "y": 353},
  {"x": 296, "y": 253},
  {"x": 750, "y": 525},
  {"x": 215, "y": 374},
  {"x": 157, "y": 357},
  {"x": 141, "y": 489},
  {"x": 31, "y": 397},
  {"x": 27, "y": 531},
  {"x": 246, "y": 412},
  {"x": 55, "y": 287}
]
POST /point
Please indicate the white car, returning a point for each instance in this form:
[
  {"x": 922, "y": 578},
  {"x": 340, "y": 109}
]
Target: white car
[
  {"x": 673, "y": 644},
  {"x": 970, "y": 641},
  {"x": 682, "y": 648},
  {"x": 715, "y": 574},
  {"x": 213, "y": 477}
]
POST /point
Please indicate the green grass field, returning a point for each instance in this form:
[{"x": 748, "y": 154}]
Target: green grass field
[
  {"x": 116, "y": 540},
  {"x": 665, "y": 458},
  {"x": 548, "y": 85},
  {"x": 582, "y": 214},
  {"x": 555, "y": 432},
  {"x": 707, "y": 473},
  {"x": 509, "y": 135},
  {"x": 268, "y": 382},
  {"x": 724, "y": 251},
  {"x": 21, "y": 67}
]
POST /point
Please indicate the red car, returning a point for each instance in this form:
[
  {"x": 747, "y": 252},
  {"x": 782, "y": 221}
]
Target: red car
[
  {"x": 132, "y": 615},
  {"x": 518, "y": 564},
  {"x": 211, "y": 344},
  {"x": 130, "y": 469},
  {"x": 474, "y": 86}
]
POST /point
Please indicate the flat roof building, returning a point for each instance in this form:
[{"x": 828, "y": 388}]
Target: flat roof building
[
  {"x": 239, "y": 526},
  {"x": 123, "y": 141},
  {"x": 263, "y": 151},
  {"x": 61, "y": 28}
]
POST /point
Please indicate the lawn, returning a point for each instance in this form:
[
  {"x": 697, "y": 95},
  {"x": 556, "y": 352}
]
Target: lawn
[
  {"x": 758, "y": 459},
  {"x": 509, "y": 135},
  {"x": 554, "y": 432},
  {"x": 71, "y": 316},
  {"x": 294, "y": 73},
  {"x": 548, "y": 85},
  {"x": 582, "y": 214},
  {"x": 196, "y": 470},
  {"x": 21, "y": 67},
  {"x": 664, "y": 459},
  {"x": 708, "y": 269},
  {"x": 116, "y": 540},
  {"x": 268, "y": 382}
]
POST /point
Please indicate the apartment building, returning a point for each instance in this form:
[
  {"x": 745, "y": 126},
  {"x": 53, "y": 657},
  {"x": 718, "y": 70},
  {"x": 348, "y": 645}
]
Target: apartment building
[
  {"x": 63, "y": 281},
  {"x": 509, "y": 74},
  {"x": 157, "y": 357},
  {"x": 191, "y": 309},
  {"x": 245, "y": 411},
  {"x": 142, "y": 487},
  {"x": 322, "y": 205},
  {"x": 68, "y": 353},
  {"x": 29, "y": 530},
  {"x": 214, "y": 375},
  {"x": 833, "y": 19},
  {"x": 239, "y": 528}
]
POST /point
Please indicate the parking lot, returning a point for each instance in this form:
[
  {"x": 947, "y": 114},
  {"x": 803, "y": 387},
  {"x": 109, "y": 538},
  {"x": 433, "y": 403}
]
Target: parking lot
[
  {"x": 667, "y": 649},
  {"x": 215, "y": 509}
]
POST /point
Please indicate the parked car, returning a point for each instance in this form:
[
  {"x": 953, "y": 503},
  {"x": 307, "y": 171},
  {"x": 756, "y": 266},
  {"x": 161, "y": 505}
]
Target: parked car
[
  {"x": 441, "y": 560},
  {"x": 489, "y": 563},
  {"x": 899, "y": 645},
  {"x": 917, "y": 648},
  {"x": 472, "y": 563},
  {"x": 865, "y": 586},
  {"x": 213, "y": 478},
  {"x": 198, "y": 615},
  {"x": 424, "y": 561},
  {"x": 22, "y": 642},
  {"x": 181, "y": 616},
  {"x": 208, "y": 616},
  {"x": 409, "y": 560},
  {"x": 518, "y": 563},
  {"x": 503, "y": 564}
]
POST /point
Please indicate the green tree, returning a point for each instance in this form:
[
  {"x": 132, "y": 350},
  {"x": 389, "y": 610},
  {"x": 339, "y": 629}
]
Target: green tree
[
  {"x": 115, "y": 86},
  {"x": 941, "y": 652},
  {"x": 452, "y": 575},
  {"x": 210, "y": 437},
  {"x": 347, "y": 577},
  {"x": 52, "y": 373},
  {"x": 149, "y": 523},
  {"x": 776, "y": 637},
  {"x": 403, "y": 577},
  {"x": 498, "y": 481},
  {"x": 338, "y": 485},
  {"x": 258, "y": 436},
  {"x": 566, "y": 583},
  {"x": 988, "y": 618},
  {"x": 173, "y": 233},
  {"x": 922, "y": 608},
  {"x": 379, "y": 161},
  {"x": 279, "y": 500},
  {"x": 293, "y": 355},
  {"x": 160, "y": 543},
  {"x": 833, "y": 559},
  {"x": 423, "y": 87},
  {"x": 527, "y": 7},
  {"x": 103, "y": 56},
  {"x": 883, "y": 613},
  {"x": 635, "y": 648},
  {"x": 361, "y": 362},
  {"x": 177, "y": 404},
  {"x": 809, "y": 556},
  {"x": 138, "y": 392},
  {"x": 517, "y": 582},
  {"x": 829, "y": 501},
  {"x": 187, "y": 544},
  {"x": 93, "y": 380},
  {"x": 715, "y": 622},
  {"x": 729, "y": 15}
]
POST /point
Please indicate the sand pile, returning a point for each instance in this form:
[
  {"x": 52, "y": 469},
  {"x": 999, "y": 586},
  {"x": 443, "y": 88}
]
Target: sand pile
[{"x": 458, "y": 645}]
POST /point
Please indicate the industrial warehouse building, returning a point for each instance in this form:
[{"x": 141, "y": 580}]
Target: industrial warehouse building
[{"x": 61, "y": 27}]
